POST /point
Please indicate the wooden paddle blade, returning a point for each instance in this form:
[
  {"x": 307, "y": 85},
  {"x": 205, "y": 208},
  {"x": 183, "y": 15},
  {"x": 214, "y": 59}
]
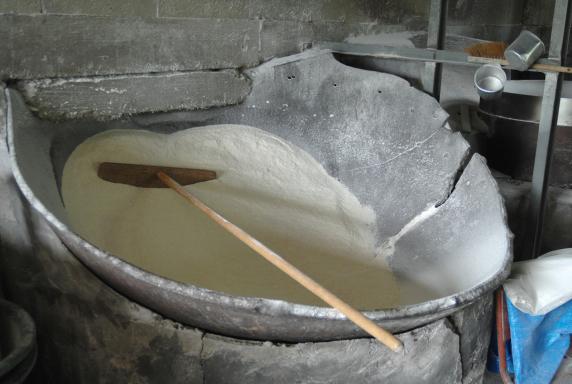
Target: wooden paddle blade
[{"x": 145, "y": 176}]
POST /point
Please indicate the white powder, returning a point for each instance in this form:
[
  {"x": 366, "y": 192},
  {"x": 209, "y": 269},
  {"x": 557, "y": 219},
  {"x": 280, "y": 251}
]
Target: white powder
[
  {"x": 271, "y": 189},
  {"x": 387, "y": 249},
  {"x": 393, "y": 39}
]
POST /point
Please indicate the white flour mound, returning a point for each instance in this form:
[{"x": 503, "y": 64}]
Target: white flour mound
[{"x": 270, "y": 188}]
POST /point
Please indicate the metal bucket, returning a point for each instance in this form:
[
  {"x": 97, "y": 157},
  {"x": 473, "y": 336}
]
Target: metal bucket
[
  {"x": 489, "y": 81},
  {"x": 388, "y": 142},
  {"x": 524, "y": 51}
]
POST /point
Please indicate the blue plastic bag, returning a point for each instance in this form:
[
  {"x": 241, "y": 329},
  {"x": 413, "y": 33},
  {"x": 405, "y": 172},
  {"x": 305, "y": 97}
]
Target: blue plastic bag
[{"x": 538, "y": 343}]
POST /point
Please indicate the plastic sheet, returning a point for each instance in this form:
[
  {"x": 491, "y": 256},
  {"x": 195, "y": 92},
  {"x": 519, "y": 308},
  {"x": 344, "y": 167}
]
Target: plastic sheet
[
  {"x": 538, "y": 343},
  {"x": 538, "y": 286},
  {"x": 539, "y": 309}
]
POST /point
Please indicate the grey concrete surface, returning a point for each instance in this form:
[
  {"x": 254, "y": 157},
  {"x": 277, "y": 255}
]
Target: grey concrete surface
[
  {"x": 63, "y": 38},
  {"x": 43, "y": 46},
  {"x": 538, "y": 13},
  {"x": 54, "y": 46},
  {"x": 115, "y": 96},
  {"x": 143, "y": 8},
  {"x": 233, "y": 9},
  {"x": 486, "y": 12},
  {"x": 21, "y": 6},
  {"x": 338, "y": 362},
  {"x": 474, "y": 324}
]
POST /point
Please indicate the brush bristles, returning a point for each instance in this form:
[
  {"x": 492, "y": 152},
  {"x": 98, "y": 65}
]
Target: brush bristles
[{"x": 493, "y": 49}]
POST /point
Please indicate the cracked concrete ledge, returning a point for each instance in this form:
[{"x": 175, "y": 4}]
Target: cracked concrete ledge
[{"x": 109, "y": 97}]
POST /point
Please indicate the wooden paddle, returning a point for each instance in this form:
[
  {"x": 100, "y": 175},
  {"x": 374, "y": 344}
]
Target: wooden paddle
[
  {"x": 126, "y": 174},
  {"x": 145, "y": 176}
]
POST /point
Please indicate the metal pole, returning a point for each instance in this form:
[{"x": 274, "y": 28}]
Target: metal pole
[
  {"x": 435, "y": 40},
  {"x": 547, "y": 127}
]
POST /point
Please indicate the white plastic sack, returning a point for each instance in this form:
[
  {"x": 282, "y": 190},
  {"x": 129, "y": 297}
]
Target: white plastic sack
[{"x": 538, "y": 286}]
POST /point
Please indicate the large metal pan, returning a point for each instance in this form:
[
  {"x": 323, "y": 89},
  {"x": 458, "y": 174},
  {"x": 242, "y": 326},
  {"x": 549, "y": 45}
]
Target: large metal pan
[{"x": 388, "y": 142}]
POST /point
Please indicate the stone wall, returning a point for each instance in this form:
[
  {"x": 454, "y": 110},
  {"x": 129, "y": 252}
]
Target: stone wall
[
  {"x": 63, "y": 38},
  {"x": 130, "y": 46},
  {"x": 69, "y": 38}
]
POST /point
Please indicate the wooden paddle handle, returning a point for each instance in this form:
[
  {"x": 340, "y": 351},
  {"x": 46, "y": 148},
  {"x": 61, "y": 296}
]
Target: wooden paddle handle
[
  {"x": 505, "y": 63},
  {"x": 551, "y": 68},
  {"x": 354, "y": 315}
]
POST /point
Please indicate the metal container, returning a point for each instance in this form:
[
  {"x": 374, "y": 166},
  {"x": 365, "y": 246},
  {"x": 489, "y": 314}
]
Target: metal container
[
  {"x": 524, "y": 51},
  {"x": 490, "y": 80},
  {"x": 513, "y": 122},
  {"x": 386, "y": 141}
]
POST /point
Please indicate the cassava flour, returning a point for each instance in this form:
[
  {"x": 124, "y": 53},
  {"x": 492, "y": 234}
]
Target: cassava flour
[{"x": 273, "y": 190}]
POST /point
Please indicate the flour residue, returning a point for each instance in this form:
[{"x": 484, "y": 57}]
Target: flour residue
[
  {"x": 387, "y": 249},
  {"x": 393, "y": 39},
  {"x": 270, "y": 188}
]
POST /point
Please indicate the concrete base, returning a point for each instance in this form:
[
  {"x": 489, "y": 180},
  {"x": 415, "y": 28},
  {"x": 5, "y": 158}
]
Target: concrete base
[{"x": 89, "y": 333}]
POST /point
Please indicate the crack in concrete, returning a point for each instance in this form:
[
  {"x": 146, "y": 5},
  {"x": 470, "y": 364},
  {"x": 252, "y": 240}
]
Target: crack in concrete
[{"x": 415, "y": 146}]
